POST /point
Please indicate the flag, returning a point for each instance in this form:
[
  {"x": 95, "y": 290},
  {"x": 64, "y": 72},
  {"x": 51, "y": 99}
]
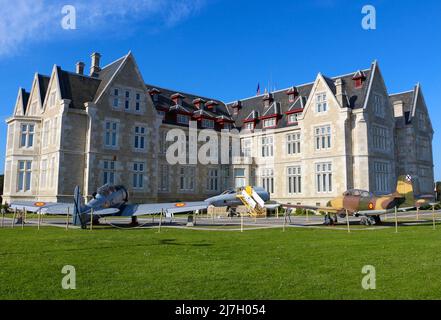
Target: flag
[{"x": 258, "y": 89}]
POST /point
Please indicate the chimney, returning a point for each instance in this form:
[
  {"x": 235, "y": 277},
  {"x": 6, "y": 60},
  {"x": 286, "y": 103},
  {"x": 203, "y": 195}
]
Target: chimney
[
  {"x": 339, "y": 93},
  {"x": 398, "y": 109},
  {"x": 177, "y": 98},
  {"x": 199, "y": 103},
  {"x": 80, "y": 67},
  {"x": 95, "y": 67}
]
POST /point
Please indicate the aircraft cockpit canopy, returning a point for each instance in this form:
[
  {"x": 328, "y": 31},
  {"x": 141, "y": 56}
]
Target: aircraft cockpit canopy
[
  {"x": 358, "y": 193},
  {"x": 229, "y": 191},
  {"x": 107, "y": 190}
]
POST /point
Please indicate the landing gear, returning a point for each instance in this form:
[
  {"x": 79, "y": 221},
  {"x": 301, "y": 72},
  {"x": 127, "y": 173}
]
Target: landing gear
[
  {"x": 134, "y": 222},
  {"x": 370, "y": 221},
  {"x": 330, "y": 221}
]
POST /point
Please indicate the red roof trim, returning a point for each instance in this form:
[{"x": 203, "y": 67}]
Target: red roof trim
[{"x": 296, "y": 110}]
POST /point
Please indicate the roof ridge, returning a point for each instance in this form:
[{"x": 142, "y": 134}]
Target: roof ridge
[
  {"x": 183, "y": 92},
  {"x": 300, "y": 85}
]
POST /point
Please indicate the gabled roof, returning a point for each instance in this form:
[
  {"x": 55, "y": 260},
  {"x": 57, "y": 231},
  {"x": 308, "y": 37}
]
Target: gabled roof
[
  {"x": 355, "y": 97},
  {"x": 43, "y": 82},
  {"x": 106, "y": 75},
  {"x": 22, "y": 99},
  {"x": 77, "y": 88}
]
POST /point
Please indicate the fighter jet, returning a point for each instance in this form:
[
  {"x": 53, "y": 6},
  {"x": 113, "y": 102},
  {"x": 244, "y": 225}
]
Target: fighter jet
[
  {"x": 113, "y": 200},
  {"x": 369, "y": 207}
]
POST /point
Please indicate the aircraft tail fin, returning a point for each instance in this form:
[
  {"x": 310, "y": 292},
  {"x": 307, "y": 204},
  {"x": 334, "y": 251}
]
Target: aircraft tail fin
[
  {"x": 405, "y": 189},
  {"x": 76, "y": 219}
]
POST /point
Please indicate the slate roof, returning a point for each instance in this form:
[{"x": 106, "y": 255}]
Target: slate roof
[
  {"x": 408, "y": 100},
  {"x": 77, "y": 88},
  {"x": 25, "y": 98},
  {"x": 165, "y": 102},
  {"x": 43, "y": 82},
  {"x": 355, "y": 99}
]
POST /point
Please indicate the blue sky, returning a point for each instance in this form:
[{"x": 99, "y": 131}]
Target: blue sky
[{"x": 223, "y": 48}]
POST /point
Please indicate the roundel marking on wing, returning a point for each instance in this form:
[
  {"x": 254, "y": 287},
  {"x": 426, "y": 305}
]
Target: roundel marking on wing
[
  {"x": 180, "y": 205},
  {"x": 40, "y": 204},
  {"x": 371, "y": 205}
]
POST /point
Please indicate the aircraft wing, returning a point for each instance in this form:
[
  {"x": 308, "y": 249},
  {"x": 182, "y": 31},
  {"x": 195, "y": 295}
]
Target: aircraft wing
[
  {"x": 384, "y": 211},
  {"x": 315, "y": 208},
  {"x": 168, "y": 208},
  {"x": 43, "y": 207}
]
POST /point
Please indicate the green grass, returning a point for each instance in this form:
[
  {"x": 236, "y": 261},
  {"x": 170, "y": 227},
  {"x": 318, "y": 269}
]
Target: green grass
[{"x": 186, "y": 264}]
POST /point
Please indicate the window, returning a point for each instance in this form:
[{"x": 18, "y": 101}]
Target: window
[
  {"x": 225, "y": 177},
  {"x": 109, "y": 172},
  {"x": 268, "y": 179},
  {"x": 127, "y": 101},
  {"x": 186, "y": 178},
  {"x": 381, "y": 172},
  {"x": 53, "y": 133},
  {"x": 127, "y": 94},
  {"x": 45, "y": 133},
  {"x": 163, "y": 184},
  {"x": 247, "y": 145},
  {"x": 111, "y": 135},
  {"x": 138, "y": 175},
  {"x": 424, "y": 149},
  {"x": 206, "y": 123},
  {"x": 422, "y": 123},
  {"x": 24, "y": 176},
  {"x": 239, "y": 177},
  {"x": 380, "y": 138},
  {"x": 183, "y": 119},
  {"x": 163, "y": 144},
  {"x": 322, "y": 137},
  {"x": 228, "y": 126},
  {"x": 52, "y": 175},
  {"x": 294, "y": 180},
  {"x": 269, "y": 123},
  {"x": 293, "y": 143},
  {"x": 291, "y": 97},
  {"x": 213, "y": 180},
  {"x": 140, "y": 138},
  {"x": 323, "y": 172},
  {"x": 321, "y": 103},
  {"x": 379, "y": 106},
  {"x": 27, "y": 136},
  {"x": 52, "y": 98},
  {"x": 267, "y": 146},
  {"x": 138, "y": 102},
  {"x": 292, "y": 118},
  {"x": 116, "y": 102},
  {"x": 43, "y": 174},
  {"x": 249, "y": 125},
  {"x": 11, "y": 129},
  {"x": 116, "y": 92}
]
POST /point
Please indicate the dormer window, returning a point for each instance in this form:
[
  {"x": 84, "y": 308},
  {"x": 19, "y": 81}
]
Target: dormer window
[
  {"x": 211, "y": 105},
  {"x": 236, "y": 107},
  {"x": 199, "y": 103},
  {"x": 116, "y": 92},
  {"x": 358, "y": 78},
  {"x": 177, "y": 98},
  {"x": 267, "y": 100},
  {"x": 154, "y": 93},
  {"x": 249, "y": 125},
  {"x": 269, "y": 123},
  {"x": 292, "y": 94},
  {"x": 293, "y": 118}
]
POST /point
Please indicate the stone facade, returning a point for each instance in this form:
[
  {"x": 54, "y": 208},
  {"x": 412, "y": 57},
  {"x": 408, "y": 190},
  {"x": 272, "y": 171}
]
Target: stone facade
[{"x": 305, "y": 144}]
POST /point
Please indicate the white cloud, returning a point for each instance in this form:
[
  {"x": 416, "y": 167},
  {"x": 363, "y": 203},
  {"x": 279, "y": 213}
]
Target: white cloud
[{"x": 24, "y": 21}]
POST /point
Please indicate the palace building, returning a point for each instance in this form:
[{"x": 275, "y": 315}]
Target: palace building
[{"x": 305, "y": 144}]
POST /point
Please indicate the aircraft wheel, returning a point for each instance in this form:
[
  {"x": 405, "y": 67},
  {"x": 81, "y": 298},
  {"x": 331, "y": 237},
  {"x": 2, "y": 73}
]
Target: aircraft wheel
[
  {"x": 364, "y": 221},
  {"x": 377, "y": 219}
]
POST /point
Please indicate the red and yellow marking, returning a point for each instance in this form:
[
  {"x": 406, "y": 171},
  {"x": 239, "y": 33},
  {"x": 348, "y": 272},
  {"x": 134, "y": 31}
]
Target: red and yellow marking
[
  {"x": 180, "y": 205},
  {"x": 40, "y": 204},
  {"x": 371, "y": 206}
]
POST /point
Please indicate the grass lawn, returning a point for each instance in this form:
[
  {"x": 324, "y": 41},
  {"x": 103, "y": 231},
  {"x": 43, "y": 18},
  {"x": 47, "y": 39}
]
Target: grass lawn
[{"x": 186, "y": 264}]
